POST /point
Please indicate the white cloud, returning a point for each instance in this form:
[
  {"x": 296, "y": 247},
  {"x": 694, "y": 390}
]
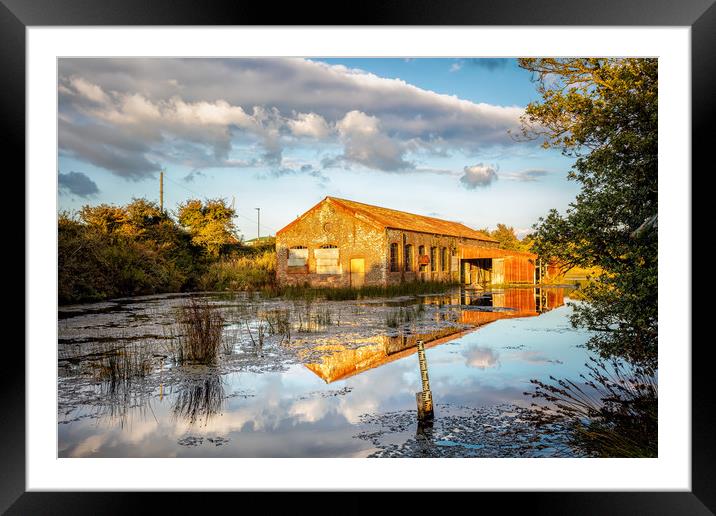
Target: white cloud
[
  {"x": 479, "y": 175},
  {"x": 88, "y": 90},
  {"x": 309, "y": 124},
  {"x": 524, "y": 176},
  {"x": 366, "y": 144},
  {"x": 209, "y": 105}
]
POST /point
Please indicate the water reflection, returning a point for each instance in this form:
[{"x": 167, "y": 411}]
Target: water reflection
[
  {"x": 467, "y": 308},
  {"x": 290, "y": 404},
  {"x": 481, "y": 358},
  {"x": 200, "y": 399}
]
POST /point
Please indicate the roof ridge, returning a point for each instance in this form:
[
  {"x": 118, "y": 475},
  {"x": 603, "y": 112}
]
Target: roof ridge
[
  {"x": 401, "y": 211},
  {"x": 346, "y": 203}
]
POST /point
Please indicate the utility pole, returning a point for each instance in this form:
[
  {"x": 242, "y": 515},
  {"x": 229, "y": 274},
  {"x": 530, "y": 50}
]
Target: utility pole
[
  {"x": 258, "y": 224},
  {"x": 161, "y": 191}
]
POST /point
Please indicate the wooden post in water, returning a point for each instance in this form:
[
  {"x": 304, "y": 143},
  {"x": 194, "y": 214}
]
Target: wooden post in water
[{"x": 425, "y": 397}]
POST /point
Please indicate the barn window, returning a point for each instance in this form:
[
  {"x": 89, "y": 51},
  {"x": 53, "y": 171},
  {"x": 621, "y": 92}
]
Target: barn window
[
  {"x": 433, "y": 259},
  {"x": 421, "y": 253},
  {"x": 297, "y": 256},
  {"x": 393, "y": 257},
  {"x": 444, "y": 259},
  {"x": 327, "y": 260},
  {"x": 408, "y": 257}
]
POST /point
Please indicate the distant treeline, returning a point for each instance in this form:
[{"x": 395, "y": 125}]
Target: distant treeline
[{"x": 110, "y": 251}]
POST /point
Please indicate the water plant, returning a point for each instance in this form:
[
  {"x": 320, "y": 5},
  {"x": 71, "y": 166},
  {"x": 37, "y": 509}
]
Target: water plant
[
  {"x": 200, "y": 399},
  {"x": 202, "y": 328},
  {"x": 118, "y": 364},
  {"x": 403, "y": 315},
  {"x": 613, "y": 413}
]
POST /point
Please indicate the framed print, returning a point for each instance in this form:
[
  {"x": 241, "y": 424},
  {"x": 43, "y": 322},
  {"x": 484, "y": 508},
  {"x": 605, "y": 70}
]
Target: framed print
[{"x": 428, "y": 250}]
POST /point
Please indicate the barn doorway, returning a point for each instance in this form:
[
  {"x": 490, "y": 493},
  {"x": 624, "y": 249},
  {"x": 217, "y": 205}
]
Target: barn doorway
[{"x": 477, "y": 272}]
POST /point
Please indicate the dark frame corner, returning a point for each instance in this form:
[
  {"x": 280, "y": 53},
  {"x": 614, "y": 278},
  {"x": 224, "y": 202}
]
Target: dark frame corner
[{"x": 700, "y": 15}]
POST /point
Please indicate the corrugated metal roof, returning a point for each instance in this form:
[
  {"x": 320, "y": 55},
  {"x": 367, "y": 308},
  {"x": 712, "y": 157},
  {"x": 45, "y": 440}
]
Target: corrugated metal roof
[
  {"x": 395, "y": 219},
  {"x": 494, "y": 252}
]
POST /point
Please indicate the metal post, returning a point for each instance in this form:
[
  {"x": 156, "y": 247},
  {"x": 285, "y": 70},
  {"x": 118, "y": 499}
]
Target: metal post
[
  {"x": 425, "y": 397},
  {"x": 161, "y": 191},
  {"x": 258, "y": 224}
]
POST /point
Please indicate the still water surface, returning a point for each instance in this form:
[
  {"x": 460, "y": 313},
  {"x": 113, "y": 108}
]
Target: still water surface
[{"x": 342, "y": 385}]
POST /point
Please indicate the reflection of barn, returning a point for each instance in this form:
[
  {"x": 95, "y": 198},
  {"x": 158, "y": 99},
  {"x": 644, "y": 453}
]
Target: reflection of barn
[
  {"x": 473, "y": 309},
  {"x": 346, "y": 243}
]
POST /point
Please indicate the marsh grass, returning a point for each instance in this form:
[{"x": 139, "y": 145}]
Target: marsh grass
[
  {"x": 202, "y": 327},
  {"x": 248, "y": 271},
  {"x": 312, "y": 319},
  {"x": 404, "y": 315},
  {"x": 200, "y": 399},
  {"x": 351, "y": 294},
  {"x": 119, "y": 365},
  {"x": 279, "y": 323},
  {"x": 612, "y": 414},
  {"x": 258, "y": 342}
]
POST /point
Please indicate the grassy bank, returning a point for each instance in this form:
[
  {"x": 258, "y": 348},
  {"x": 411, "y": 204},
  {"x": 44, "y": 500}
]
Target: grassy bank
[
  {"x": 252, "y": 270},
  {"x": 348, "y": 293}
]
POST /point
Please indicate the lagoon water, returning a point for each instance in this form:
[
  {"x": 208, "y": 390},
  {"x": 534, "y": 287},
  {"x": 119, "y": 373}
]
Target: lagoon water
[{"x": 342, "y": 384}]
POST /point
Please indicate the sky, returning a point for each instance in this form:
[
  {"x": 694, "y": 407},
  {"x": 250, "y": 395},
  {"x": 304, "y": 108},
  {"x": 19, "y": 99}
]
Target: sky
[{"x": 427, "y": 136}]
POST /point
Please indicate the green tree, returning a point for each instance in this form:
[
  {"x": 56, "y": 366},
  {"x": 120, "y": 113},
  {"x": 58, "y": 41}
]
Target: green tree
[
  {"x": 603, "y": 112},
  {"x": 104, "y": 218},
  {"x": 108, "y": 251},
  {"x": 507, "y": 238},
  {"x": 210, "y": 224}
]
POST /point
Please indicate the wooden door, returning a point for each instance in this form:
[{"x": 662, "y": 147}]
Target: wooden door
[{"x": 357, "y": 272}]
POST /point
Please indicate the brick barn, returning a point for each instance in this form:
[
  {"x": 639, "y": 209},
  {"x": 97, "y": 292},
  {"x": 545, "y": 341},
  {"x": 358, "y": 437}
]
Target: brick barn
[{"x": 346, "y": 243}]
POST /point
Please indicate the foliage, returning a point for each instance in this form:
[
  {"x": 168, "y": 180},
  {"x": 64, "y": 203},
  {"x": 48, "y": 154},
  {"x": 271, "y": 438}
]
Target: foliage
[
  {"x": 612, "y": 413},
  {"x": 507, "y": 238},
  {"x": 111, "y": 251},
  {"x": 603, "y": 112},
  {"x": 249, "y": 270},
  {"x": 210, "y": 224},
  {"x": 411, "y": 288}
]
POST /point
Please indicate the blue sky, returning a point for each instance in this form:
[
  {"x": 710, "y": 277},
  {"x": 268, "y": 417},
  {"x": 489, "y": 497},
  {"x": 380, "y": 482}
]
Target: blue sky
[{"x": 428, "y": 136}]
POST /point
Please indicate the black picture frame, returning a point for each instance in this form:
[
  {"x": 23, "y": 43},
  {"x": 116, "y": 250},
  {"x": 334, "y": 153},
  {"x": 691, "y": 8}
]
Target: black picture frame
[{"x": 700, "y": 15}]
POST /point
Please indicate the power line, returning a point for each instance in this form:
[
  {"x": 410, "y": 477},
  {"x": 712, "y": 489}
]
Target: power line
[{"x": 238, "y": 213}]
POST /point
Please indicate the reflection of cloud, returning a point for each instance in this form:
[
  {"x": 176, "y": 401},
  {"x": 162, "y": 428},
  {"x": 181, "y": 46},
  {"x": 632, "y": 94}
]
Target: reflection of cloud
[
  {"x": 480, "y": 357},
  {"x": 309, "y": 410},
  {"x": 90, "y": 445},
  {"x": 535, "y": 357}
]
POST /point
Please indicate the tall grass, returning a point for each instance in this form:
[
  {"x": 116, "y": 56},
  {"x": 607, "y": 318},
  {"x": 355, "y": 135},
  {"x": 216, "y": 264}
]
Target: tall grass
[
  {"x": 250, "y": 271},
  {"x": 279, "y": 323},
  {"x": 612, "y": 414},
  {"x": 403, "y": 315},
  {"x": 349, "y": 293},
  {"x": 200, "y": 399},
  {"x": 202, "y": 328},
  {"x": 119, "y": 366}
]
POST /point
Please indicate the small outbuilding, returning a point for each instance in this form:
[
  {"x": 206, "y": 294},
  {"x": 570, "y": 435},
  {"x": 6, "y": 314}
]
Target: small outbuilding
[{"x": 346, "y": 243}]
